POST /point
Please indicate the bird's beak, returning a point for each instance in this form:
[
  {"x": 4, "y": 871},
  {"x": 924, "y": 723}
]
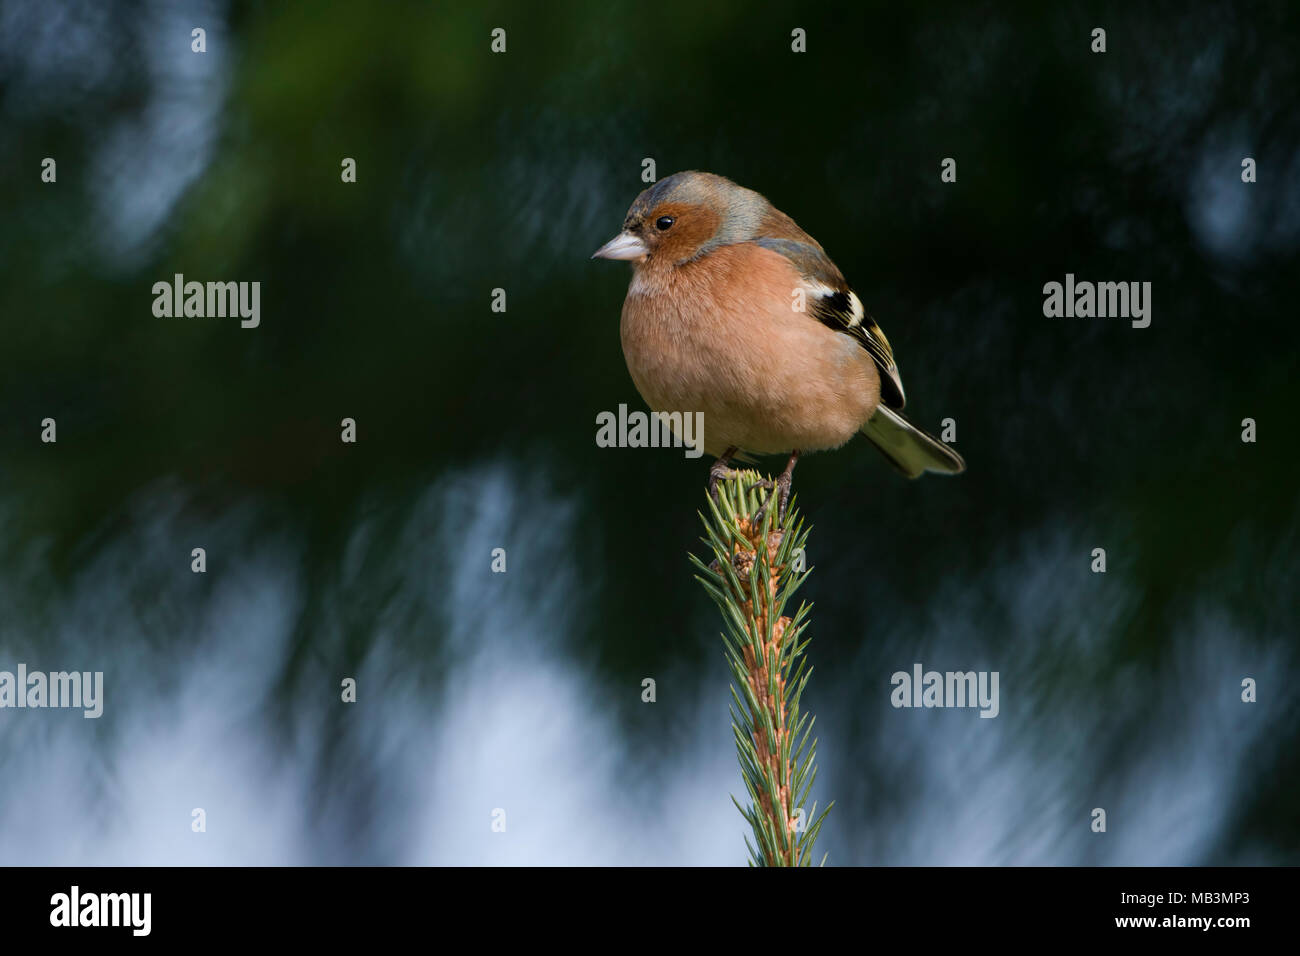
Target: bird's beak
[{"x": 623, "y": 246}]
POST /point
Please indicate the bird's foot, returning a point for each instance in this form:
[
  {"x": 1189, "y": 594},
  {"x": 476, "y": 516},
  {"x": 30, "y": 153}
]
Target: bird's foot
[
  {"x": 778, "y": 489},
  {"x": 721, "y": 470}
]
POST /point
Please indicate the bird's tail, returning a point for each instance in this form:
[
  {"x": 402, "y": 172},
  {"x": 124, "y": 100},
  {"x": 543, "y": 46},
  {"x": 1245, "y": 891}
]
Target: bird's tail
[{"x": 909, "y": 449}]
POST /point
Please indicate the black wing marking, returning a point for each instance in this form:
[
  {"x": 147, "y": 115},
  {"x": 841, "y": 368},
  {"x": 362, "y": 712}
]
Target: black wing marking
[
  {"x": 836, "y": 306},
  {"x": 842, "y": 311}
]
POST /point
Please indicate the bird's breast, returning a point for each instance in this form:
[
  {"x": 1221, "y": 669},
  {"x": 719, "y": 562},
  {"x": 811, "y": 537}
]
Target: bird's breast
[{"x": 721, "y": 335}]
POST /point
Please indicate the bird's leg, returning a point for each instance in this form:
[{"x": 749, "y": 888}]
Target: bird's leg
[
  {"x": 720, "y": 471},
  {"x": 779, "y": 489}
]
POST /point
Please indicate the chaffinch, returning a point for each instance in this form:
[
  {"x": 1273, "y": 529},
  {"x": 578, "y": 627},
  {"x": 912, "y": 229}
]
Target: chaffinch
[{"x": 735, "y": 311}]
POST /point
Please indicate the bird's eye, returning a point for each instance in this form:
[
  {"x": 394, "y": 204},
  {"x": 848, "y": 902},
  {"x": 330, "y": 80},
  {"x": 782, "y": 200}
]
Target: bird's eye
[{"x": 663, "y": 222}]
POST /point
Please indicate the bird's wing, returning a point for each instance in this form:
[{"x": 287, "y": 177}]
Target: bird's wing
[{"x": 834, "y": 304}]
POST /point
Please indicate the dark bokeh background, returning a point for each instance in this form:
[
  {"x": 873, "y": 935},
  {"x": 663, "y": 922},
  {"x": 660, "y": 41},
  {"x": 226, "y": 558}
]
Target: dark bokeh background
[{"x": 476, "y": 430}]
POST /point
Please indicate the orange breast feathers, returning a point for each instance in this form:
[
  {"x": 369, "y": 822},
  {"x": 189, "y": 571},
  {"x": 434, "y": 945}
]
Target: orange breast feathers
[{"x": 723, "y": 335}]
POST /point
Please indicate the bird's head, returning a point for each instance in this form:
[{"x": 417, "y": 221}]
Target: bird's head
[{"x": 685, "y": 216}]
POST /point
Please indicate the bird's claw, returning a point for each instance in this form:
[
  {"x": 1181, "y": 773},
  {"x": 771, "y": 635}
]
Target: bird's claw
[
  {"x": 721, "y": 470},
  {"x": 778, "y": 488}
]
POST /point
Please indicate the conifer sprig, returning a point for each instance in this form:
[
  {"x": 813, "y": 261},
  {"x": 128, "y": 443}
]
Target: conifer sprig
[{"x": 752, "y": 578}]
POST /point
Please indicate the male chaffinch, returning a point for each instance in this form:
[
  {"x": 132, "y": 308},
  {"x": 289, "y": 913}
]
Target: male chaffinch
[{"x": 713, "y": 322}]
